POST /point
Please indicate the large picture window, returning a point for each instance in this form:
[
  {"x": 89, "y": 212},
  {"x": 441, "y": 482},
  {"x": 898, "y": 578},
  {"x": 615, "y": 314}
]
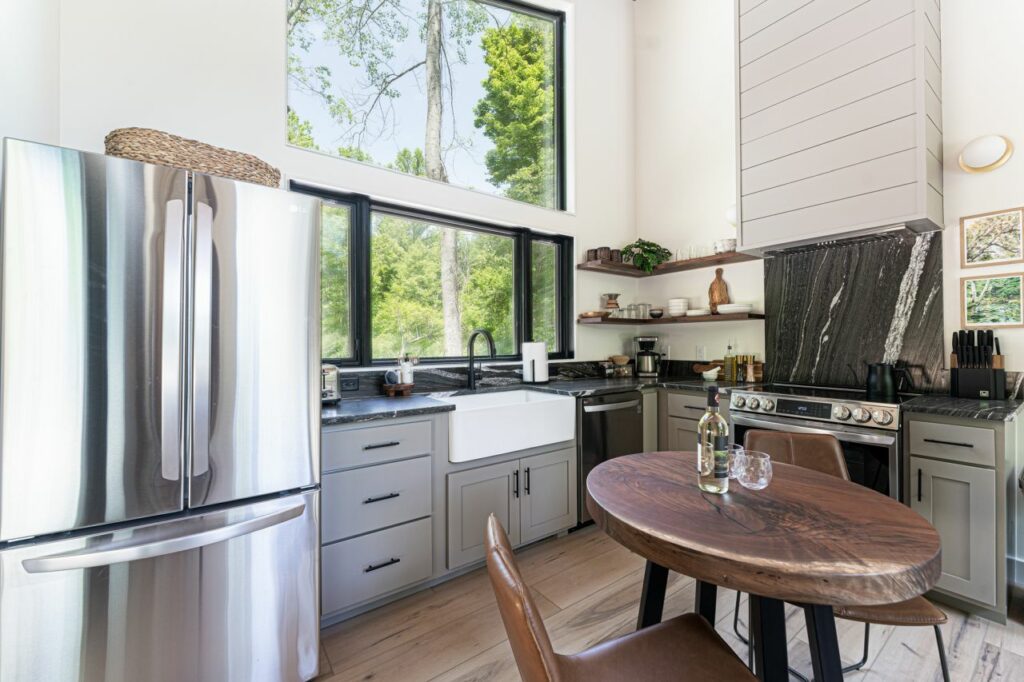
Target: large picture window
[
  {"x": 397, "y": 281},
  {"x": 467, "y": 92}
]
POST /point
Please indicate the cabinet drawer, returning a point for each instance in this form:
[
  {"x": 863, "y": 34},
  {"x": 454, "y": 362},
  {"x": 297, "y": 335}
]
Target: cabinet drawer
[
  {"x": 347, "y": 448},
  {"x": 369, "y": 566},
  {"x": 686, "y": 405},
  {"x": 366, "y": 499},
  {"x": 968, "y": 444}
]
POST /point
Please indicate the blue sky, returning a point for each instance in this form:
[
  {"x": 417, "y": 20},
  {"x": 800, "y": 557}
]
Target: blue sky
[{"x": 465, "y": 165}]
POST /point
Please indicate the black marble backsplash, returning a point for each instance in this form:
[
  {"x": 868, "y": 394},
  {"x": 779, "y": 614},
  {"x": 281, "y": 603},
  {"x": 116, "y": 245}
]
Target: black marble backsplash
[
  {"x": 833, "y": 308},
  {"x": 430, "y": 379}
]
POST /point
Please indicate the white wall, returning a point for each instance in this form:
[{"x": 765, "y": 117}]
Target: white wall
[
  {"x": 686, "y": 161},
  {"x": 982, "y": 93},
  {"x": 215, "y": 71},
  {"x": 29, "y": 95}
]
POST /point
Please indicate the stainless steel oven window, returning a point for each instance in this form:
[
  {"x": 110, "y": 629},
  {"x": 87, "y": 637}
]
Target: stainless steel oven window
[{"x": 857, "y": 446}]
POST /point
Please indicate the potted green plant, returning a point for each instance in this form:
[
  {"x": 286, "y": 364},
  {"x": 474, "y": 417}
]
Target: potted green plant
[{"x": 645, "y": 255}]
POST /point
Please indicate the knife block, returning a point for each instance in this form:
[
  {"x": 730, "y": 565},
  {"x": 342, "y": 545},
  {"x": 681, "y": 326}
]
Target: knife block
[{"x": 980, "y": 383}]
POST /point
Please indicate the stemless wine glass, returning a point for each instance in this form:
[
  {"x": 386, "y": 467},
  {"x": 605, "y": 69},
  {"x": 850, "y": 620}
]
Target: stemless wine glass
[
  {"x": 734, "y": 452},
  {"x": 754, "y": 469}
]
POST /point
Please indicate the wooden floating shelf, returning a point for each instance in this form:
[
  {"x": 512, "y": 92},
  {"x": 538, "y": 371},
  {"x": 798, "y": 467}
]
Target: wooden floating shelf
[
  {"x": 627, "y": 270},
  {"x": 730, "y": 317}
]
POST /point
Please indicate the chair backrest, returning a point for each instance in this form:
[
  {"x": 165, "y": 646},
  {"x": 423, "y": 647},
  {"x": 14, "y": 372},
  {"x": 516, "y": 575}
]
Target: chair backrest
[
  {"x": 529, "y": 639},
  {"x": 819, "y": 451}
]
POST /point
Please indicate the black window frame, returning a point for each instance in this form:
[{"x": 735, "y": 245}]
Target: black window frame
[
  {"x": 558, "y": 20},
  {"x": 362, "y": 209}
]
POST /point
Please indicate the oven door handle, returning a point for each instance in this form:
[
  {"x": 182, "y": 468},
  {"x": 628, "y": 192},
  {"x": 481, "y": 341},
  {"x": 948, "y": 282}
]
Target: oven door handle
[{"x": 771, "y": 425}]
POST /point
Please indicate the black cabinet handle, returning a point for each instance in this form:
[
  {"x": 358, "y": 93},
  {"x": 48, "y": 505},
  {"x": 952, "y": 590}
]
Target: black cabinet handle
[
  {"x": 376, "y": 567},
  {"x": 919, "y": 485},
  {"x": 515, "y": 483},
  {"x": 949, "y": 442},
  {"x": 389, "y": 496},
  {"x": 527, "y": 486},
  {"x": 378, "y": 445}
]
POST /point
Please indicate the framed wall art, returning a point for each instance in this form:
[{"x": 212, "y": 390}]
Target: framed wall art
[
  {"x": 992, "y": 238},
  {"x": 992, "y": 301}
]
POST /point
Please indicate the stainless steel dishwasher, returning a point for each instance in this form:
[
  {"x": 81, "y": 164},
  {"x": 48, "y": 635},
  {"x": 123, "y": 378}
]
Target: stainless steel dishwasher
[{"x": 608, "y": 426}]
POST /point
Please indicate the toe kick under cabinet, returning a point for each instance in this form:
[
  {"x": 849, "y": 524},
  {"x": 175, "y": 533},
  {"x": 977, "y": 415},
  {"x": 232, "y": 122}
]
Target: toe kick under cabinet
[
  {"x": 377, "y": 509},
  {"x": 958, "y": 478}
]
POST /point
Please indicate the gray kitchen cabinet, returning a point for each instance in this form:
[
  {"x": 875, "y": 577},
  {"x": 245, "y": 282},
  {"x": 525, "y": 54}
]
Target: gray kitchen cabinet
[
  {"x": 679, "y": 412},
  {"x": 533, "y": 497},
  {"x": 473, "y": 495},
  {"x": 959, "y": 476},
  {"x": 548, "y": 500},
  {"x": 377, "y": 510},
  {"x": 839, "y": 119},
  {"x": 681, "y": 434},
  {"x": 960, "y": 501}
]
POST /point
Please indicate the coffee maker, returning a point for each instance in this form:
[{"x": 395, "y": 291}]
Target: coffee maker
[{"x": 648, "y": 360}]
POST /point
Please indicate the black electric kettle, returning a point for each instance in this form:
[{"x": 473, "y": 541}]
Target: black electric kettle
[{"x": 883, "y": 383}]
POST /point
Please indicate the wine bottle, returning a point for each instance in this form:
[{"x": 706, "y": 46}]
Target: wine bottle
[{"x": 712, "y": 448}]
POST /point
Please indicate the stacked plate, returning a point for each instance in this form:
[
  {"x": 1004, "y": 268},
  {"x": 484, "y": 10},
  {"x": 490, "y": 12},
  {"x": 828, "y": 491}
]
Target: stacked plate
[
  {"x": 677, "y": 307},
  {"x": 727, "y": 308}
]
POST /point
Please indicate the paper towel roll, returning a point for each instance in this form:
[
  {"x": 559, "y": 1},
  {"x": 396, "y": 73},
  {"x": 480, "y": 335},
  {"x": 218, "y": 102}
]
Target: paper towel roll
[{"x": 535, "y": 362}]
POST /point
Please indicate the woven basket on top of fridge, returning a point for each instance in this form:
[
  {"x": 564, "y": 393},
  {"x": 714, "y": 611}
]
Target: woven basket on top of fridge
[{"x": 155, "y": 146}]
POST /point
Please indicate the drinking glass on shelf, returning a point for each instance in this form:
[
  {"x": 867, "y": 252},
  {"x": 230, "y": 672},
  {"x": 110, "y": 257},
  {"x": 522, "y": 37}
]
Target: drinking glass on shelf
[{"x": 753, "y": 469}]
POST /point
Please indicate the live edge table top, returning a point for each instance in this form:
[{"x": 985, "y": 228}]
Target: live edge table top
[{"x": 807, "y": 538}]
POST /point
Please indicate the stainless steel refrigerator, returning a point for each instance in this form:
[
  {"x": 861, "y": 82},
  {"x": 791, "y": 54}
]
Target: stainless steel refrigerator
[{"x": 159, "y": 423}]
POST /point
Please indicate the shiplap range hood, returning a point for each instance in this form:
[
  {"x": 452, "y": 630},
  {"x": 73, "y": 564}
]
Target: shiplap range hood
[{"x": 840, "y": 119}]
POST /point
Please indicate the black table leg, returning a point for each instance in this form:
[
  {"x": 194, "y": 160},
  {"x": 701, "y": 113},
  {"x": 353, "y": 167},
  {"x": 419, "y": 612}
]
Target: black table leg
[
  {"x": 821, "y": 632},
  {"x": 706, "y": 600},
  {"x": 768, "y": 637},
  {"x": 652, "y": 599}
]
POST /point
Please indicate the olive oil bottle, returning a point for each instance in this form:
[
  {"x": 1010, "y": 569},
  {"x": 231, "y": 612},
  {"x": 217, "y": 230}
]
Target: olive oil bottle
[{"x": 712, "y": 448}]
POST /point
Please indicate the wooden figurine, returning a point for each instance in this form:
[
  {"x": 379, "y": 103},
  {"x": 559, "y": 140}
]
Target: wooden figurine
[{"x": 718, "y": 292}]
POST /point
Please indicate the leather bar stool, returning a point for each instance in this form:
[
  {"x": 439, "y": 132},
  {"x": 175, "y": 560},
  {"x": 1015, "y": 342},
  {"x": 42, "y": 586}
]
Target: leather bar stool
[
  {"x": 683, "y": 648},
  {"x": 822, "y": 452}
]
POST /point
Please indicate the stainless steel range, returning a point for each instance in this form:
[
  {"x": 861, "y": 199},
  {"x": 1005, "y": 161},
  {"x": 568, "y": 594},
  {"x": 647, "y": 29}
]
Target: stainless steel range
[{"x": 869, "y": 431}]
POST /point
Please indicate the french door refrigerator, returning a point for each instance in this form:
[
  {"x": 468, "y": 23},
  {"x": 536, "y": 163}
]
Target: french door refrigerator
[{"x": 159, "y": 423}]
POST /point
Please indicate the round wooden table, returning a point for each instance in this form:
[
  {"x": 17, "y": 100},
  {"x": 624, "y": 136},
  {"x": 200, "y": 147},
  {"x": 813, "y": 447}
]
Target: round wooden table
[{"x": 808, "y": 538}]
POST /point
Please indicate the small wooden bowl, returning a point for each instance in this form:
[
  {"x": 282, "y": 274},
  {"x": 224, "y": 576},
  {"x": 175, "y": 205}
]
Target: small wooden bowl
[
  {"x": 619, "y": 360},
  {"x": 596, "y": 313}
]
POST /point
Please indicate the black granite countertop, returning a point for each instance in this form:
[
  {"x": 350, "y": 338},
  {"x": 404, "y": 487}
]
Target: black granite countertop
[
  {"x": 370, "y": 409},
  {"x": 964, "y": 408}
]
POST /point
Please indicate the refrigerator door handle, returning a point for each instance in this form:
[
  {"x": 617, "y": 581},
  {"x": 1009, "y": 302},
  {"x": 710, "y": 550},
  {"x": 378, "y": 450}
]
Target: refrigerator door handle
[
  {"x": 120, "y": 551},
  {"x": 202, "y": 340},
  {"x": 170, "y": 343}
]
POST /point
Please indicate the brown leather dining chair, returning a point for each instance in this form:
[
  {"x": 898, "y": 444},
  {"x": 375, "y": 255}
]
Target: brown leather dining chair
[
  {"x": 683, "y": 648},
  {"x": 822, "y": 452}
]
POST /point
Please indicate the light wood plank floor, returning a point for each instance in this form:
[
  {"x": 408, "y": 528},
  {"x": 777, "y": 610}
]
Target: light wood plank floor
[{"x": 588, "y": 589}]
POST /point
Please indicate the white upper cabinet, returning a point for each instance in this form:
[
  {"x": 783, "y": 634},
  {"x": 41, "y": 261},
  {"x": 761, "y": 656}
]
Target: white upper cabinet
[{"x": 840, "y": 119}]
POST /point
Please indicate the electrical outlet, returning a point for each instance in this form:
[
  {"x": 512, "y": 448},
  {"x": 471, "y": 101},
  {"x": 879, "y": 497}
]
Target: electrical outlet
[
  {"x": 349, "y": 383},
  {"x": 702, "y": 353}
]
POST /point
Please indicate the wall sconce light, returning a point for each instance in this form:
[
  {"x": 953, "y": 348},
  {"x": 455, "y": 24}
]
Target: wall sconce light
[{"x": 985, "y": 154}]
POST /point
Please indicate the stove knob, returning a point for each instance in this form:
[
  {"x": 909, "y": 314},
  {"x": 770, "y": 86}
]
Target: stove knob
[
  {"x": 739, "y": 401},
  {"x": 753, "y": 403},
  {"x": 882, "y": 417},
  {"x": 768, "y": 405},
  {"x": 861, "y": 415},
  {"x": 841, "y": 412}
]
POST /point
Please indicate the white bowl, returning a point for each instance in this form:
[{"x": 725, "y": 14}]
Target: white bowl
[
  {"x": 698, "y": 312},
  {"x": 735, "y": 308},
  {"x": 711, "y": 374}
]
